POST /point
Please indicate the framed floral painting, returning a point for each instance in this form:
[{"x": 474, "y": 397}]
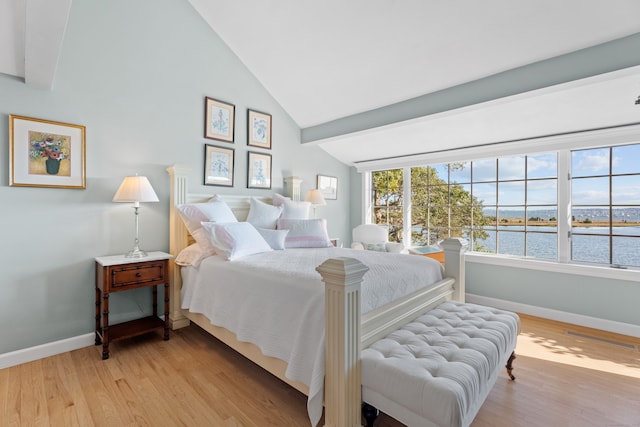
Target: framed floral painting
[
  {"x": 44, "y": 153},
  {"x": 258, "y": 170},
  {"x": 219, "y": 120},
  {"x": 258, "y": 129},
  {"x": 218, "y": 165}
]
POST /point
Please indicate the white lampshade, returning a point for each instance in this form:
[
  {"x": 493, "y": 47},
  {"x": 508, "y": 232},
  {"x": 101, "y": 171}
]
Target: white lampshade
[
  {"x": 135, "y": 189},
  {"x": 315, "y": 197}
]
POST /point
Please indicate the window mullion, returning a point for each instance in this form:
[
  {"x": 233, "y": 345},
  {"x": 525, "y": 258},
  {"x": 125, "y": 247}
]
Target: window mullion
[
  {"x": 406, "y": 207},
  {"x": 564, "y": 206}
]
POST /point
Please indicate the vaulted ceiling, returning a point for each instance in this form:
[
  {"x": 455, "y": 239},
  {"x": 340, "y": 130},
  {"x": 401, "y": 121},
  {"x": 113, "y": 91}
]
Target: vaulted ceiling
[{"x": 326, "y": 60}]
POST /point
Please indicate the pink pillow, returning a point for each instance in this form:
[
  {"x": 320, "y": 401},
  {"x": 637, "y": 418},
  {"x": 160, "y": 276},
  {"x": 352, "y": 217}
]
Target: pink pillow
[{"x": 305, "y": 233}]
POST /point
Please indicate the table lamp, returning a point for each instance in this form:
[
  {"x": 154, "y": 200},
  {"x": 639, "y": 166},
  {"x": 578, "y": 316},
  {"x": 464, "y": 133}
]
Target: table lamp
[
  {"x": 316, "y": 198},
  {"x": 135, "y": 189}
]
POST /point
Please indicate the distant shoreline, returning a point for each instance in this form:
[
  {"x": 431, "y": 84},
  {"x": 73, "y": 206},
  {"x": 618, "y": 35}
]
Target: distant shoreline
[{"x": 581, "y": 223}]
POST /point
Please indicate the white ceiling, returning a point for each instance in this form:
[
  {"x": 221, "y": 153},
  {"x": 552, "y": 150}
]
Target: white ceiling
[{"x": 324, "y": 60}]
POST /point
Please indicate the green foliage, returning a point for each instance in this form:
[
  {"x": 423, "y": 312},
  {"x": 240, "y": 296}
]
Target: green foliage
[{"x": 438, "y": 209}]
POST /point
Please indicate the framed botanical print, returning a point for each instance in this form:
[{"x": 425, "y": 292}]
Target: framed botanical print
[
  {"x": 258, "y": 129},
  {"x": 44, "y": 153},
  {"x": 328, "y": 186},
  {"x": 258, "y": 170},
  {"x": 219, "y": 120},
  {"x": 218, "y": 165}
]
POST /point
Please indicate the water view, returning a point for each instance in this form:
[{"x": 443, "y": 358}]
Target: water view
[{"x": 542, "y": 242}]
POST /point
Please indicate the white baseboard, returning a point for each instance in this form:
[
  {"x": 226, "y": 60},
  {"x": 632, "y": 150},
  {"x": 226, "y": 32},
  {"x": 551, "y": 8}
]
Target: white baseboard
[
  {"x": 30, "y": 354},
  {"x": 560, "y": 316}
]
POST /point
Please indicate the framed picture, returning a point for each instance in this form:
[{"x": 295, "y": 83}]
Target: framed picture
[
  {"x": 218, "y": 165},
  {"x": 219, "y": 120},
  {"x": 328, "y": 186},
  {"x": 43, "y": 153},
  {"x": 258, "y": 170},
  {"x": 258, "y": 129}
]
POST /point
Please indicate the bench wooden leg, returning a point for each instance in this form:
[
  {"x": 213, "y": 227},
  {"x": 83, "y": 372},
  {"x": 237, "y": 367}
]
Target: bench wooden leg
[
  {"x": 370, "y": 414},
  {"x": 509, "y": 365}
]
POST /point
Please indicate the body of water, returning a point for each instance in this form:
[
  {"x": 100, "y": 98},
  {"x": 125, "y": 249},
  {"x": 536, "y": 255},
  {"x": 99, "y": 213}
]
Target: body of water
[{"x": 542, "y": 242}]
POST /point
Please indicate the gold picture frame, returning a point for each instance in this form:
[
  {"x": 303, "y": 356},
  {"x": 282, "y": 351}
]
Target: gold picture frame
[{"x": 44, "y": 153}]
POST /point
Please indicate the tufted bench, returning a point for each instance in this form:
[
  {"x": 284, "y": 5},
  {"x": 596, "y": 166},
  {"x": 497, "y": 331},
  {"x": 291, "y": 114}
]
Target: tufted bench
[{"x": 438, "y": 369}]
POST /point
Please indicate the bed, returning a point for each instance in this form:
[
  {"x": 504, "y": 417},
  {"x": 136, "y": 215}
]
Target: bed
[{"x": 320, "y": 357}]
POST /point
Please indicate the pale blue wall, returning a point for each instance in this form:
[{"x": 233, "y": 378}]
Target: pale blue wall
[
  {"x": 615, "y": 300},
  {"x": 135, "y": 73}
]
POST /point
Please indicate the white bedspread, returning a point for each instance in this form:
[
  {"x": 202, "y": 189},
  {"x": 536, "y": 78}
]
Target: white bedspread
[{"x": 275, "y": 300}]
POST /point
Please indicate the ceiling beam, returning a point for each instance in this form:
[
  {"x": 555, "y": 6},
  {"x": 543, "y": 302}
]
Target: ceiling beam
[{"x": 46, "y": 21}]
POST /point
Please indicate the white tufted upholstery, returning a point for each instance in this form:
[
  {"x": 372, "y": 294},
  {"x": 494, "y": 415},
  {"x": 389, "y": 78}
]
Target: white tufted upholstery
[{"x": 438, "y": 369}]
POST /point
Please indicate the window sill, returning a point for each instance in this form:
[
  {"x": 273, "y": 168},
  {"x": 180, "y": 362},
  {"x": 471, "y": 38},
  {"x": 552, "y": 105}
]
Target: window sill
[{"x": 591, "y": 270}]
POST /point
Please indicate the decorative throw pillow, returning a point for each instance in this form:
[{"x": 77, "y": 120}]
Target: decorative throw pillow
[
  {"x": 292, "y": 209},
  {"x": 214, "y": 210},
  {"x": 193, "y": 214},
  {"x": 275, "y": 238},
  {"x": 191, "y": 255},
  {"x": 377, "y": 247},
  {"x": 394, "y": 247},
  {"x": 234, "y": 240},
  {"x": 263, "y": 215},
  {"x": 305, "y": 233}
]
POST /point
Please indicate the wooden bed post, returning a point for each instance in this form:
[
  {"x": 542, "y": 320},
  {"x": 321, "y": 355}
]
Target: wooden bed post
[
  {"x": 342, "y": 385},
  {"x": 454, "y": 249},
  {"x": 178, "y": 241}
]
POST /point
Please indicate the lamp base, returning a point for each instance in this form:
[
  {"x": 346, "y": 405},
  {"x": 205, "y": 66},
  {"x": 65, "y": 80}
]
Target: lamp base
[{"x": 136, "y": 253}]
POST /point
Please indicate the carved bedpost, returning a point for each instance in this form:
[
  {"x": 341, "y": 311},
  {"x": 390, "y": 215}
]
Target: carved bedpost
[
  {"x": 454, "y": 249},
  {"x": 178, "y": 241},
  {"x": 342, "y": 384}
]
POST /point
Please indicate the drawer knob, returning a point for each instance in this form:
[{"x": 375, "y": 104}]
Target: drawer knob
[{"x": 138, "y": 274}]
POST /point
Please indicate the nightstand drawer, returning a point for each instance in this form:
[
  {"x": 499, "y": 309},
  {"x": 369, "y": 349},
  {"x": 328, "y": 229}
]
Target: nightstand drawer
[{"x": 138, "y": 274}]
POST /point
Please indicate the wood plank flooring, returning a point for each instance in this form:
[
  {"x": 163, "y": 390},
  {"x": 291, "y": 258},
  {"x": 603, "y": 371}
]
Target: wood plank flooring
[{"x": 581, "y": 378}]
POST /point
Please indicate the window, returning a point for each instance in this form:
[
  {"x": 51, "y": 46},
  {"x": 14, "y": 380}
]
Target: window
[
  {"x": 605, "y": 194},
  {"x": 511, "y": 205},
  {"x": 386, "y": 200}
]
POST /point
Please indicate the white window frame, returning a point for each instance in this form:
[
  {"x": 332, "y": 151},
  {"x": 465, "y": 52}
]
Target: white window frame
[{"x": 563, "y": 145}]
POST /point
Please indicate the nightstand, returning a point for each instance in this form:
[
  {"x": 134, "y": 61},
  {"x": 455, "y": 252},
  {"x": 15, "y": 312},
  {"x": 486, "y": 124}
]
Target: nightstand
[
  {"x": 117, "y": 273},
  {"x": 429, "y": 251}
]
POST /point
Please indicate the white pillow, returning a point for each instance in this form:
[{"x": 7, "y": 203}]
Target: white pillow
[
  {"x": 234, "y": 240},
  {"x": 275, "y": 238},
  {"x": 394, "y": 247},
  {"x": 279, "y": 199},
  {"x": 305, "y": 233},
  {"x": 296, "y": 210},
  {"x": 376, "y": 247},
  {"x": 291, "y": 209},
  {"x": 191, "y": 255},
  {"x": 263, "y": 215},
  {"x": 193, "y": 214}
]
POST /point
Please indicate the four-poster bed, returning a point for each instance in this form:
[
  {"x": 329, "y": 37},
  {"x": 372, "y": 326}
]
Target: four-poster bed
[{"x": 346, "y": 331}]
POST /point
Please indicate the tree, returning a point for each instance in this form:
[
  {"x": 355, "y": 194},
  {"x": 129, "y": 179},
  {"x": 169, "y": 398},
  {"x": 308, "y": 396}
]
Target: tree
[{"x": 438, "y": 209}]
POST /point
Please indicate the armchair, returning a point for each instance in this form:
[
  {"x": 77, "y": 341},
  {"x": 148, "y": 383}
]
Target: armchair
[{"x": 373, "y": 237}]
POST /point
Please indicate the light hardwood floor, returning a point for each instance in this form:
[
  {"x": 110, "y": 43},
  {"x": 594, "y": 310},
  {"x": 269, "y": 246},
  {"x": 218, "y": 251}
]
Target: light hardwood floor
[{"x": 563, "y": 379}]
